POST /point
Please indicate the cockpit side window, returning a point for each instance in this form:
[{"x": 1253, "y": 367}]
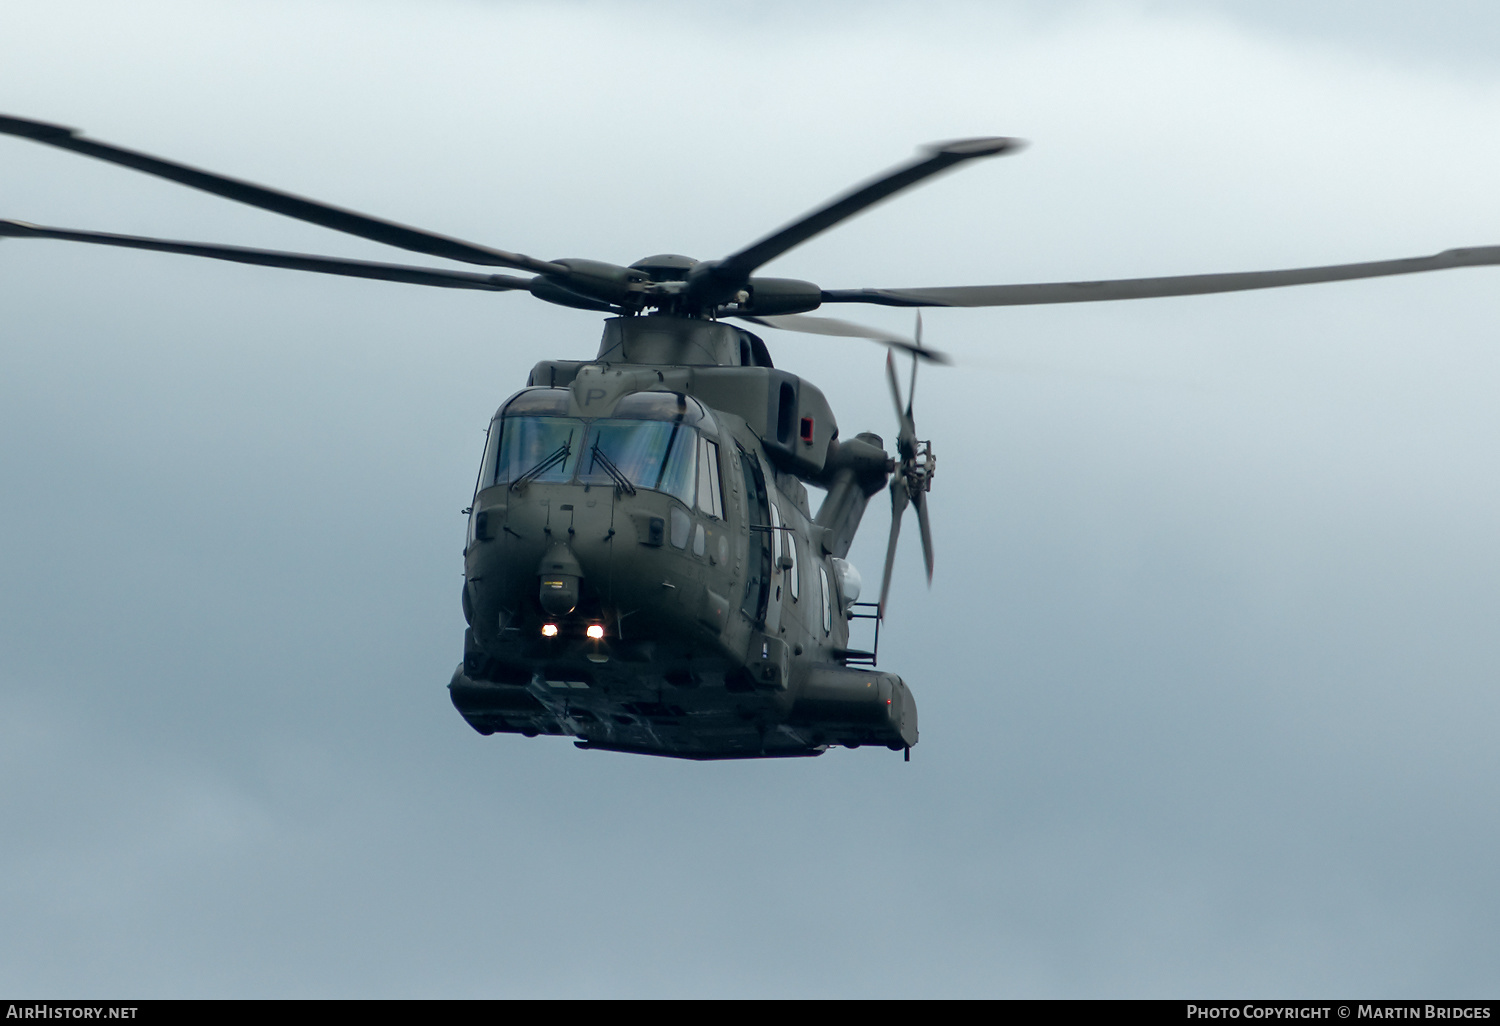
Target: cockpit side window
[
  {"x": 679, "y": 472},
  {"x": 710, "y": 494},
  {"x": 491, "y": 455}
]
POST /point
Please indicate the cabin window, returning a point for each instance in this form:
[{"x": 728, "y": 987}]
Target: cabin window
[
  {"x": 784, "y": 540},
  {"x": 761, "y": 563},
  {"x": 794, "y": 574},
  {"x": 710, "y": 493},
  {"x": 780, "y": 543},
  {"x": 827, "y": 606}
]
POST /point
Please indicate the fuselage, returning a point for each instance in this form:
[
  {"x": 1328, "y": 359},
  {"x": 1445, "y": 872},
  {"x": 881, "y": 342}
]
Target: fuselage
[{"x": 643, "y": 571}]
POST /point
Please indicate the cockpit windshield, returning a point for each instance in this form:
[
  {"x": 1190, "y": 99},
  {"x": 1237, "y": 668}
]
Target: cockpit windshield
[
  {"x": 539, "y": 449},
  {"x": 649, "y": 442},
  {"x": 647, "y": 453}
]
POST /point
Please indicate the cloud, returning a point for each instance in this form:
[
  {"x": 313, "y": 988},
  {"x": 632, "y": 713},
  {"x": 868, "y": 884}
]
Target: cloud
[{"x": 1206, "y": 672}]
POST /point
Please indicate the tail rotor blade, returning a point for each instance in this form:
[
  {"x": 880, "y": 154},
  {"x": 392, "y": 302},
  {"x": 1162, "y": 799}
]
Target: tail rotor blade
[
  {"x": 907, "y": 433},
  {"x": 890, "y": 376},
  {"x": 912, "y": 474},
  {"x": 898, "y": 507},
  {"x": 911, "y": 392},
  {"x": 925, "y": 527}
]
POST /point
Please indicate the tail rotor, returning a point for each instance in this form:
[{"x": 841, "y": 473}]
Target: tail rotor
[{"x": 911, "y": 475}]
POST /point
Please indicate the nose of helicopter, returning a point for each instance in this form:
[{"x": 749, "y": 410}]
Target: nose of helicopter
[{"x": 573, "y": 557}]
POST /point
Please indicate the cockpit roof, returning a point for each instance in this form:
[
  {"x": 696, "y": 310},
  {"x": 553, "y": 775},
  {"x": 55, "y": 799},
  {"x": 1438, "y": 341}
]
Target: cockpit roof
[{"x": 542, "y": 401}]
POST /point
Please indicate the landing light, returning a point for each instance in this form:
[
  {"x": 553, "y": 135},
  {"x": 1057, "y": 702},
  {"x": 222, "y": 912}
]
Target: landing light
[
  {"x": 595, "y": 631},
  {"x": 549, "y": 630}
]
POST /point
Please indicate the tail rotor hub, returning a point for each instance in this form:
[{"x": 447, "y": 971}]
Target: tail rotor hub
[{"x": 918, "y": 469}]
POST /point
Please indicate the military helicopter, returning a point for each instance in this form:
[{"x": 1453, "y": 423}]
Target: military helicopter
[{"x": 642, "y": 569}]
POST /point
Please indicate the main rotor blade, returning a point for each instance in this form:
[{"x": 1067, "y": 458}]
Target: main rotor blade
[
  {"x": 389, "y": 232},
  {"x": 937, "y": 158},
  {"x": 845, "y": 329},
  {"x": 276, "y": 258},
  {"x": 1151, "y": 288}
]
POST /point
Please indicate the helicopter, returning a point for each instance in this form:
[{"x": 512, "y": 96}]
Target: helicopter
[{"x": 642, "y": 569}]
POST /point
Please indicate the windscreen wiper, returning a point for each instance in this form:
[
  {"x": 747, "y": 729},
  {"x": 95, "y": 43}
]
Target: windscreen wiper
[
  {"x": 621, "y": 481},
  {"x": 561, "y": 453}
]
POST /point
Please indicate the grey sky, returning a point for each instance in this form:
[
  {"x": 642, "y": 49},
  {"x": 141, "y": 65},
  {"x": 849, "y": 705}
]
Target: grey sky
[{"x": 1207, "y": 675}]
